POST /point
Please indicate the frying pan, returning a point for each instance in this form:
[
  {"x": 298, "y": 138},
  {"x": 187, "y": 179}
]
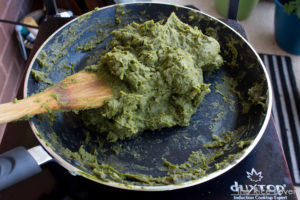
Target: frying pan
[{"x": 226, "y": 127}]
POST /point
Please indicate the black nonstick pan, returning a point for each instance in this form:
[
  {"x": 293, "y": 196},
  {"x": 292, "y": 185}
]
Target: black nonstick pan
[{"x": 226, "y": 127}]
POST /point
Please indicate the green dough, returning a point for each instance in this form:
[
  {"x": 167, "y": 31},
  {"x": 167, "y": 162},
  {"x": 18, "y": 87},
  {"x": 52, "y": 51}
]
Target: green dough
[{"x": 156, "y": 72}]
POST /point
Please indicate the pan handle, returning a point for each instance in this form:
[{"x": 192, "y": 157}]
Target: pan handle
[
  {"x": 19, "y": 164},
  {"x": 233, "y": 8}
]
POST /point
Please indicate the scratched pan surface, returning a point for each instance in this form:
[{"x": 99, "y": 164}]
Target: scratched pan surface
[{"x": 65, "y": 53}]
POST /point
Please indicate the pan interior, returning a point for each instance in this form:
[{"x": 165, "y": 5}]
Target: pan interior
[{"x": 224, "y": 126}]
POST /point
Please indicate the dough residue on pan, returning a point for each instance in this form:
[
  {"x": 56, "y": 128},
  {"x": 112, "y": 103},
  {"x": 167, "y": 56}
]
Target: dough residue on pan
[{"x": 156, "y": 71}]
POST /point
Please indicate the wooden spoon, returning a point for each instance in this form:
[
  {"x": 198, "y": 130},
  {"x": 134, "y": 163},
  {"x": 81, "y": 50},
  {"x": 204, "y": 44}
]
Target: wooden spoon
[{"x": 82, "y": 90}]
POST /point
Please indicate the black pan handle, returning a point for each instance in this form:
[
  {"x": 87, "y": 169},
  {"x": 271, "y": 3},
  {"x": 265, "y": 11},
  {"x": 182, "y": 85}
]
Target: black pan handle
[
  {"x": 232, "y": 13},
  {"x": 19, "y": 164},
  {"x": 51, "y": 7},
  {"x": 233, "y": 8}
]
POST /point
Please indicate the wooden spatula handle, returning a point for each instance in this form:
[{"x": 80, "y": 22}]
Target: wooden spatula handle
[
  {"x": 82, "y": 90},
  {"x": 26, "y": 107}
]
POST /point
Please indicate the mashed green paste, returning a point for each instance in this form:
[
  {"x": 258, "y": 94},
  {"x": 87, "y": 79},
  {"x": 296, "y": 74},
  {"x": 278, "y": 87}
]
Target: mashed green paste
[{"x": 156, "y": 71}]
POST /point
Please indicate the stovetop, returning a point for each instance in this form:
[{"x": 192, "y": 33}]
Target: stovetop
[{"x": 263, "y": 174}]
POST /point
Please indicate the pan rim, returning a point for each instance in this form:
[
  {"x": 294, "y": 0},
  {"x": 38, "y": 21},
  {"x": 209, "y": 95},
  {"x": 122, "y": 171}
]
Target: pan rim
[{"x": 76, "y": 171}]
